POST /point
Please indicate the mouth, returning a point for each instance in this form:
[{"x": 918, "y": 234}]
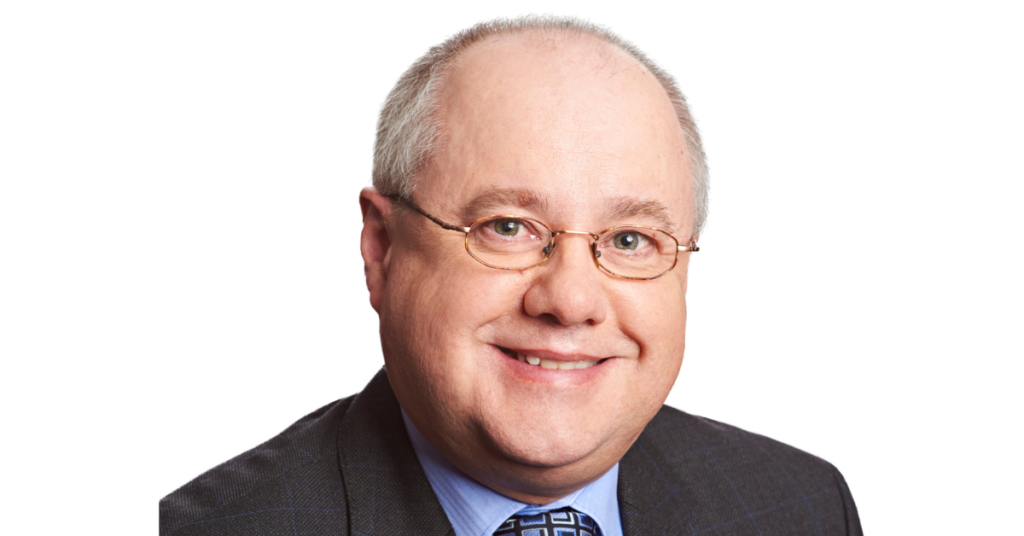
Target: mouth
[{"x": 548, "y": 363}]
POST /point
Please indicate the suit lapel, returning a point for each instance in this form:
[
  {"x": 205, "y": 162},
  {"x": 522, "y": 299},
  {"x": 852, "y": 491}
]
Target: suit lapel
[
  {"x": 651, "y": 500},
  {"x": 387, "y": 491}
]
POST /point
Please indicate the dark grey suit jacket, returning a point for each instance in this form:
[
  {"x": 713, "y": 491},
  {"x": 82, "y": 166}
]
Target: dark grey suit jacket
[{"x": 349, "y": 468}]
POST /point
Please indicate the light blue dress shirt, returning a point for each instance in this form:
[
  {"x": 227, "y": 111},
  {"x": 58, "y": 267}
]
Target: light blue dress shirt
[{"x": 476, "y": 510}]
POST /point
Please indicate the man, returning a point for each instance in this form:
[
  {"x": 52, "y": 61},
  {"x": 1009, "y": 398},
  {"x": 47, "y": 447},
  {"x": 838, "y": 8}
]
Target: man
[{"x": 539, "y": 190}]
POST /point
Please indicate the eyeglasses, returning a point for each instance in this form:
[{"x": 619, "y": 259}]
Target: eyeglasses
[{"x": 509, "y": 242}]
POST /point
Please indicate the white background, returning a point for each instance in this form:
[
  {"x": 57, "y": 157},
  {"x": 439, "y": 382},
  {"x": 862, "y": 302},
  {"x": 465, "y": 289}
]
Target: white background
[{"x": 180, "y": 277}]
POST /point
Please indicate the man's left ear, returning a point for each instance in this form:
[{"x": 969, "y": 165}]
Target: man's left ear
[
  {"x": 375, "y": 243},
  {"x": 686, "y": 279}
]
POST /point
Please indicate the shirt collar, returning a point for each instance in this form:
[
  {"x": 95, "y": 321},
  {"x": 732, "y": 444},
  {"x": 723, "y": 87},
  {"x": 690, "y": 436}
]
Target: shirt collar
[{"x": 476, "y": 510}]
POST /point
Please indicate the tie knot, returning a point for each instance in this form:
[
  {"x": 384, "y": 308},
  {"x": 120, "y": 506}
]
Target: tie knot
[{"x": 561, "y": 522}]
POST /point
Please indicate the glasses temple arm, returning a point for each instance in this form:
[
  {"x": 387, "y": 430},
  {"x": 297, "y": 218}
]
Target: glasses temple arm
[
  {"x": 444, "y": 225},
  {"x": 692, "y": 247}
]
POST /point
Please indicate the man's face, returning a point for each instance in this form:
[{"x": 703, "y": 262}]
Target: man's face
[{"x": 581, "y": 137}]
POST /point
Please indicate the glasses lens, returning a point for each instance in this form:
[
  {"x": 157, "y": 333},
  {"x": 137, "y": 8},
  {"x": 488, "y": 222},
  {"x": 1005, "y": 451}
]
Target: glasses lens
[
  {"x": 637, "y": 252},
  {"x": 508, "y": 242}
]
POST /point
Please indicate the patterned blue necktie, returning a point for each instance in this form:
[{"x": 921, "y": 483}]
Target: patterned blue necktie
[{"x": 561, "y": 522}]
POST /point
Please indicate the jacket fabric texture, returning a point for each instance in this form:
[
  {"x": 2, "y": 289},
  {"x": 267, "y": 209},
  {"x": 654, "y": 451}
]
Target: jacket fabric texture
[{"x": 350, "y": 469}]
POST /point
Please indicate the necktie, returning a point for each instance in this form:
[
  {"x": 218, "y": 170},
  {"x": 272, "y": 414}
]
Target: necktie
[{"x": 562, "y": 522}]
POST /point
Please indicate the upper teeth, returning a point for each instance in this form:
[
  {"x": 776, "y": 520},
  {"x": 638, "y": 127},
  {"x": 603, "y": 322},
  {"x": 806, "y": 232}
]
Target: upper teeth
[{"x": 549, "y": 364}]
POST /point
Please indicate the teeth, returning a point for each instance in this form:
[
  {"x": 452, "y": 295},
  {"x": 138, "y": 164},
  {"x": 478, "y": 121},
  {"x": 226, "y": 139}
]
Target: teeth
[{"x": 553, "y": 365}]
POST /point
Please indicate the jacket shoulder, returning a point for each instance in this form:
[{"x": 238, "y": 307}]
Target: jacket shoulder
[
  {"x": 679, "y": 430},
  {"x": 727, "y": 478},
  {"x": 289, "y": 482}
]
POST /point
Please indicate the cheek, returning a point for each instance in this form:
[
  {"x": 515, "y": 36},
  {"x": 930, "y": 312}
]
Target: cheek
[
  {"x": 655, "y": 317},
  {"x": 438, "y": 310},
  {"x": 652, "y": 313},
  {"x": 453, "y": 301},
  {"x": 437, "y": 323},
  {"x": 421, "y": 293}
]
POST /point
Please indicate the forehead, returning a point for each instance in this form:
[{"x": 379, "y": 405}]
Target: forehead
[{"x": 576, "y": 121}]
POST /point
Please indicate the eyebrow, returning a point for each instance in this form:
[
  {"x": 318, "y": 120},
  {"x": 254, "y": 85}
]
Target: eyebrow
[
  {"x": 625, "y": 209},
  {"x": 501, "y": 198},
  {"x": 621, "y": 210}
]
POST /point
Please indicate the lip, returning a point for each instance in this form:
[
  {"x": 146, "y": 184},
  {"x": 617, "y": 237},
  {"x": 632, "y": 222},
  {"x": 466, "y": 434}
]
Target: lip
[
  {"x": 549, "y": 355},
  {"x": 522, "y": 373}
]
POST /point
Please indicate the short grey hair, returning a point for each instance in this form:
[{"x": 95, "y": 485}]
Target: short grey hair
[{"x": 409, "y": 129}]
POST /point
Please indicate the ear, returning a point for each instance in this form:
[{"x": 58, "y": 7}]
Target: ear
[
  {"x": 375, "y": 243},
  {"x": 686, "y": 278}
]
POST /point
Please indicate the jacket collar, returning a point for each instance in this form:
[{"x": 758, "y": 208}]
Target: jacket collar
[
  {"x": 386, "y": 489},
  {"x": 649, "y": 494}
]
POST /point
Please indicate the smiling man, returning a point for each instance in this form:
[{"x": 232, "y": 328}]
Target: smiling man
[{"x": 539, "y": 190}]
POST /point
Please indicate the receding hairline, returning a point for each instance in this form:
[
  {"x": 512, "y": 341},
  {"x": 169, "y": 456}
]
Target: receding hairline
[
  {"x": 541, "y": 37},
  {"x": 594, "y": 39},
  {"x": 411, "y": 124},
  {"x": 609, "y": 56}
]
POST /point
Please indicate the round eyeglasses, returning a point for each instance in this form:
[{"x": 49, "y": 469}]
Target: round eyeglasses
[{"x": 508, "y": 242}]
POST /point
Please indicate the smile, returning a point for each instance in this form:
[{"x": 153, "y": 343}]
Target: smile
[{"x": 550, "y": 364}]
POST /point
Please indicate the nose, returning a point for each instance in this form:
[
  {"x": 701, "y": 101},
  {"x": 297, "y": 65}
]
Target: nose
[{"x": 568, "y": 289}]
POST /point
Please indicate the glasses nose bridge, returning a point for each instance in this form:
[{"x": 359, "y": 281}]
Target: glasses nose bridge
[
  {"x": 566, "y": 231},
  {"x": 550, "y": 250}
]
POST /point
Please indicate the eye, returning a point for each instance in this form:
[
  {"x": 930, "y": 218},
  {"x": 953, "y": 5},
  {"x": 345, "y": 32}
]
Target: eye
[
  {"x": 507, "y": 227},
  {"x": 628, "y": 240}
]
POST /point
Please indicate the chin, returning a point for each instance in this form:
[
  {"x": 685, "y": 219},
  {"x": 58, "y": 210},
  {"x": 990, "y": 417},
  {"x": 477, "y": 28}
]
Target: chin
[{"x": 544, "y": 447}]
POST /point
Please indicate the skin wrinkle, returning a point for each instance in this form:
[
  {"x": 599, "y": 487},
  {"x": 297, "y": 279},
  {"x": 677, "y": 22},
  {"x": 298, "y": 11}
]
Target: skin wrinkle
[
  {"x": 621, "y": 211},
  {"x": 588, "y": 150}
]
